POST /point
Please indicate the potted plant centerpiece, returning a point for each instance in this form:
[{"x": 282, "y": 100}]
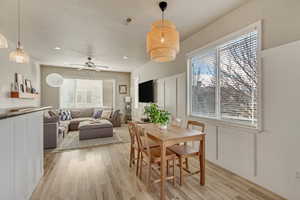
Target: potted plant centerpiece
[{"x": 158, "y": 116}]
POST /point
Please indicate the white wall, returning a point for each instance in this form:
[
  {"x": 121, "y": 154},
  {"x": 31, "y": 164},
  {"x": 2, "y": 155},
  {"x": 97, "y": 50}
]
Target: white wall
[
  {"x": 7, "y": 74},
  {"x": 270, "y": 158}
]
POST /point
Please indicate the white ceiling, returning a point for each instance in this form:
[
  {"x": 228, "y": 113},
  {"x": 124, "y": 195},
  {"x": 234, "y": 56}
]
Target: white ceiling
[{"x": 96, "y": 27}]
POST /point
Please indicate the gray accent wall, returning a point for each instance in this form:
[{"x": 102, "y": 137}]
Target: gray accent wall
[{"x": 50, "y": 95}]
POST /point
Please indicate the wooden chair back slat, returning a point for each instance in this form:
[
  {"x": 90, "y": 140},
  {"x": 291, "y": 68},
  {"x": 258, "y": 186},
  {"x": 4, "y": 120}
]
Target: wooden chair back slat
[
  {"x": 191, "y": 123},
  {"x": 142, "y": 139},
  {"x": 199, "y": 125},
  {"x": 131, "y": 126}
]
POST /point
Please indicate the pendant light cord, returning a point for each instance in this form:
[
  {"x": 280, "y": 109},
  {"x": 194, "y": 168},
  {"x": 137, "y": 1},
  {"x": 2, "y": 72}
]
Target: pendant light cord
[
  {"x": 19, "y": 23},
  {"x": 162, "y": 18}
]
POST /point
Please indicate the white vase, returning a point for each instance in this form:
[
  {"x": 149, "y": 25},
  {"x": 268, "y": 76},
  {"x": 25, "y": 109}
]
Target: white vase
[{"x": 163, "y": 126}]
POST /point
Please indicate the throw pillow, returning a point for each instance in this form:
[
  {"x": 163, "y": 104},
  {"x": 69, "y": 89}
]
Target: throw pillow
[
  {"x": 106, "y": 114},
  {"x": 97, "y": 114},
  {"x": 65, "y": 115},
  {"x": 52, "y": 113}
]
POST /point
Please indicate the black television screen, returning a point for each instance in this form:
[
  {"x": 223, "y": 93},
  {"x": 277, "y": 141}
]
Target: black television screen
[{"x": 146, "y": 92}]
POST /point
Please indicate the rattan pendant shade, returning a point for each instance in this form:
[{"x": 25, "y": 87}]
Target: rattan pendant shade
[{"x": 163, "y": 41}]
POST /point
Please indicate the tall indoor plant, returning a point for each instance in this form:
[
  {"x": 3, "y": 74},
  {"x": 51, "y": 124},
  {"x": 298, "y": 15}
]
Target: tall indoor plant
[{"x": 157, "y": 116}]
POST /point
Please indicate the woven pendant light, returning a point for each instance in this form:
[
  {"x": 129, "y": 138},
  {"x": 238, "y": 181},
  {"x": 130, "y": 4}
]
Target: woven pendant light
[{"x": 163, "y": 40}]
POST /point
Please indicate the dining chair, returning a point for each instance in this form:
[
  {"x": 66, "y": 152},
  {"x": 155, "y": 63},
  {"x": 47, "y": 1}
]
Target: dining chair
[
  {"x": 186, "y": 151},
  {"x": 134, "y": 147},
  {"x": 176, "y": 122},
  {"x": 152, "y": 157},
  {"x": 133, "y": 144}
]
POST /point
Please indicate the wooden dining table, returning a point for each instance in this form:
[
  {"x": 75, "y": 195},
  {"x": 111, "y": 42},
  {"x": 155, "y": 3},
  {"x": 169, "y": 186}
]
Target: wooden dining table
[{"x": 171, "y": 136}]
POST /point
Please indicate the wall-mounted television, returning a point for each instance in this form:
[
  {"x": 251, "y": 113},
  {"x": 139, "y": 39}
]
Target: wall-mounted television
[{"x": 146, "y": 92}]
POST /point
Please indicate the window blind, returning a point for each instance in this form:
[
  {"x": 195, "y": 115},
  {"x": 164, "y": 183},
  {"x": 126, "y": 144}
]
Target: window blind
[
  {"x": 204, "y": 79},
  {"x": 238, "y": 79},
  {"x": 78, "y": 93},
  {"x": 224, "y": 81}
]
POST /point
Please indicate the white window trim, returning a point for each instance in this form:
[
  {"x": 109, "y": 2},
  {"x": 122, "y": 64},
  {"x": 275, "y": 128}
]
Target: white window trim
[
  {"x": 221, "y": 122},
  {"x": 136, "y": 92},
  {"x": 102, "y": 106}
]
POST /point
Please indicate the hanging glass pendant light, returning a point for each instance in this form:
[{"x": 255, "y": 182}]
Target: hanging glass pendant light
[
  {"x": 163, "y": 40},
  {"x": 19, "y": 55},
  {"x": 3, "y": 42}
]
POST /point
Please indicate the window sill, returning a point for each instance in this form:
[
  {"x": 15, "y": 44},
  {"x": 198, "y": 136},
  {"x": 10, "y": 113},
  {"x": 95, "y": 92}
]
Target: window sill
[{"x": 227, "y": 124}]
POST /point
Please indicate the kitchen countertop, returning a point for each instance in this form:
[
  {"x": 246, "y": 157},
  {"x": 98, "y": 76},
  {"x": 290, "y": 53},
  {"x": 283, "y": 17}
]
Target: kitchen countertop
[{"x": 8, "y": 113}]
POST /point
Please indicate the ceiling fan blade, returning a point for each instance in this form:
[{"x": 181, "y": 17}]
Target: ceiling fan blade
[
  {"x": 102, "y": 66},
  {"x": 78, "y": 65}
]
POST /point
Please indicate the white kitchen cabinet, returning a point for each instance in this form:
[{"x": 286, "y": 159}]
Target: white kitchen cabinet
[
  {"x": 6, "y": 161},
  {"x": 21, "y": 155}
]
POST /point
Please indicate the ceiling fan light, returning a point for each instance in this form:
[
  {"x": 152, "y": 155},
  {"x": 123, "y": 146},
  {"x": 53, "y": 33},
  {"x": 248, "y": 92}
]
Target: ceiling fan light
[
  {"x": 3, "y": 42},
  {"x": 19, "y": 56}
]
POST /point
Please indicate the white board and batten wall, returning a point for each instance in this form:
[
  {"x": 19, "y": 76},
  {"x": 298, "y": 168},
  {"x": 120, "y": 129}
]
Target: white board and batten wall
[
  {"x": 269, "y": 158},
  {"x": 171, "y": 94},
  {"x": 21, "y": 155}
]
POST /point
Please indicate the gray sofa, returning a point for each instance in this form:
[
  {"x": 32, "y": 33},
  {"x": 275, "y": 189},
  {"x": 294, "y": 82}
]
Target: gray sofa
[
  {"x": 55, "y": 129},
  {"x": 86, "y": 114},
  {"x": 52, "y": 134}
]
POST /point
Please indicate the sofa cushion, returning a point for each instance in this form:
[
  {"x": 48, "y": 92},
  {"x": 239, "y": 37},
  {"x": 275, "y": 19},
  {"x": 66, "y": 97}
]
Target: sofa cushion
[
  {"x": 106, "y": 114},
  {"x": 82, "y": 112},
  {"x": 65, "y": 115},
  {"x": 49, "y": 119},
  {"x": 53, "y": 113},
  {"x": 74, "y": 123},
  {"x": 97, "y": 114},
  {"x": 98, "y": 124}
]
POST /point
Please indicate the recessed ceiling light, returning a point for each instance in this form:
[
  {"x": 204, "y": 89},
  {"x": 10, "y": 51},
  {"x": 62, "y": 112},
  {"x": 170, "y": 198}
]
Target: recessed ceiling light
[
  {"x": 125, "y": 57},
  {"x": 57, "y": 48}
]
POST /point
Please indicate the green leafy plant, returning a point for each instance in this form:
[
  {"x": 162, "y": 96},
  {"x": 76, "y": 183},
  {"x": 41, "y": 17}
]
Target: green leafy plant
[{"x": 157, "y": 115}]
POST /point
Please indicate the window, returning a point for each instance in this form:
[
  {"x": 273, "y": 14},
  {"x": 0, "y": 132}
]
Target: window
[
  {"x": 78, "y": 93},
  {"x": 224, "y": 80}
]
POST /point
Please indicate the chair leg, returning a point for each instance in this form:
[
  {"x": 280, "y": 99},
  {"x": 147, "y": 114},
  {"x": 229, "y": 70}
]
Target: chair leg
[
  {"x": 130, "y": 157},
  {"x": 173, "y": 172},
  {"x": 149, "y": 175},
  {"x": 133, "y": 156},
  {"x": 187, "y": 163},
  {"x": 168, "y": 165},
  {"x": 141, "y": 165},
  {"x": 202, "y": 166},
  {"x": 180, "y": 170},
  {"x": 138, "y": 163}
]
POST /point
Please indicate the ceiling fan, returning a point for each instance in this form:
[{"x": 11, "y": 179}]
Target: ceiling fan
[{"x": 90, "y": 65}]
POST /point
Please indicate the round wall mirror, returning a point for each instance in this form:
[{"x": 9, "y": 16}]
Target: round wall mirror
[{"x": 54, "y": 80}]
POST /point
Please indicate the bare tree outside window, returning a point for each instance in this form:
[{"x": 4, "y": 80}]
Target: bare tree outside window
[{"x": 224, "y": 81}]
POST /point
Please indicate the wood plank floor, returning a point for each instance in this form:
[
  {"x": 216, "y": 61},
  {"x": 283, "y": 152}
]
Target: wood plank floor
[{"x": 102, "y": 173}]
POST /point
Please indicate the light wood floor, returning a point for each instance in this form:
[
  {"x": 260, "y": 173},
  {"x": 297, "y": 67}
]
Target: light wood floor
[{"x": 103, "y": 173}]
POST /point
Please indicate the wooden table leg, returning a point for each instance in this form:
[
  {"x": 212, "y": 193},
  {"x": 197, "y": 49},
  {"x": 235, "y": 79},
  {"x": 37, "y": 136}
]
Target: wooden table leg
[
  {"x": 202, "y": 161},
  {"x": 162, "y": 171}
]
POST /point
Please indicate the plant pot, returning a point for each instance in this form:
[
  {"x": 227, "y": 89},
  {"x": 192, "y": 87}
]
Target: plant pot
[{"x": 163, "y": 126}]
